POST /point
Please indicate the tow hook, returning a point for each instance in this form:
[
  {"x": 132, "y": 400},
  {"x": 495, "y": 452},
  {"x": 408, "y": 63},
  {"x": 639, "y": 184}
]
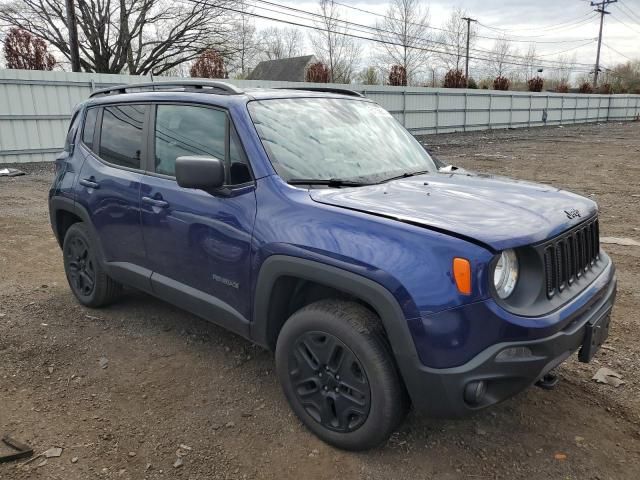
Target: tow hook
[{"x": 548, "y": 382}]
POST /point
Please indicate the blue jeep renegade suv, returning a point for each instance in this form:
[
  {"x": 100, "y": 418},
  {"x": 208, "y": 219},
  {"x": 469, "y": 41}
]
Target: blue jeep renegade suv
[{"x": 313, "y": 224}]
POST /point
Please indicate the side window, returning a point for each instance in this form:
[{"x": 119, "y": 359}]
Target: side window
[
  {"x": 89, "y": 127},
  {"x": 187, "y": 130},
  {"x": 121, "y": 135}
]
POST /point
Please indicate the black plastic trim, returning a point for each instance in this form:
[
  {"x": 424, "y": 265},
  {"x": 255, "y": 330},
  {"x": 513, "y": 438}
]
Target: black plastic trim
[
  {"x": 197, "y": 85},
  {"x": 440, "y": 392},
  {"x": 199, "y": 303},
  {"x": 130, "y": 274},
  {"x": 340, "y": 91},
  {"x": 57, "y": 204}
]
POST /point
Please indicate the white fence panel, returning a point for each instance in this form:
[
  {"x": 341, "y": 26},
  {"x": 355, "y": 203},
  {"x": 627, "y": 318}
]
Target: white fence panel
[{"x": 35, "y": 108}]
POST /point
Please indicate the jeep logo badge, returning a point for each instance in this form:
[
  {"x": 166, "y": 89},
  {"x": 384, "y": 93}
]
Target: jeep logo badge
[{"x": 573, "y": 213}]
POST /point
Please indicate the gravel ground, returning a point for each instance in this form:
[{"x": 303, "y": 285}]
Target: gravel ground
[{"x": 170, "y": 379}]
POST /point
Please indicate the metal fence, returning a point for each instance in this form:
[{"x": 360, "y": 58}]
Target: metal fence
[{"x": 35, "y": 108}]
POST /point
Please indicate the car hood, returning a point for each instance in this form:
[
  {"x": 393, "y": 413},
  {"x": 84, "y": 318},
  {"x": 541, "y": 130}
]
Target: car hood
[{"x": 495, "y": 211}]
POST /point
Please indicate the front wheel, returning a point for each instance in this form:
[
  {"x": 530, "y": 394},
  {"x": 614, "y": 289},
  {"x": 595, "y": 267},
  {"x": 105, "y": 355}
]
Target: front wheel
[{"x": 339, "y": 376}]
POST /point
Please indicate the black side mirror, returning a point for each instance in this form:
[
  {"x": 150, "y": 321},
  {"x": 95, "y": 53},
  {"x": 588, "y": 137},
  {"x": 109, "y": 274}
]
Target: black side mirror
[{"x": 204, "y": 173}]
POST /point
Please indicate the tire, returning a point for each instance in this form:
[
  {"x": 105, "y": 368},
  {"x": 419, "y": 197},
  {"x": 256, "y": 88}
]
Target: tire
[
  {"x": 87, "y": 279},
  {"x": 339, "y": 376}
]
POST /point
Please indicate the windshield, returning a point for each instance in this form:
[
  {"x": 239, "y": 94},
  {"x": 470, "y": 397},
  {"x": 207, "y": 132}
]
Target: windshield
[{"x": 327, "y": 138}]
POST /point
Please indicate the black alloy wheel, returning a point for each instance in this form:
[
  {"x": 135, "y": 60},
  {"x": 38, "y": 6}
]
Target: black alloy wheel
[
  {"x": 338, "y": 373},
  {"x": 81, "y": 270},
  {"x": 87, "y": 278},
  {"x": 330, "y": 382}
]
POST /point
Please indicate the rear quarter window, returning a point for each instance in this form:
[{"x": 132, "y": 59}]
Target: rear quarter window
[
  {"x": 89, "y": 127},
  {"x": 71, "y": 133}
]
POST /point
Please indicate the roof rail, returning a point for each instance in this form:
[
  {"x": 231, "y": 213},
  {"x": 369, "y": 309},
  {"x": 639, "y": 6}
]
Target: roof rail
[
  {"x": 202, "y": 85},
  {"x": 341, "y": 91}
]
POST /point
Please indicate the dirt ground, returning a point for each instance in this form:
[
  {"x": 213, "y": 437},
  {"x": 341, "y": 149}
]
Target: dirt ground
[{"x": 172, "y": 379}]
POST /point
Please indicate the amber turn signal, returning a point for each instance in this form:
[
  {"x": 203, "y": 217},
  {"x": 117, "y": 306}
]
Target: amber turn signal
[{"x": 462, "y": 275}]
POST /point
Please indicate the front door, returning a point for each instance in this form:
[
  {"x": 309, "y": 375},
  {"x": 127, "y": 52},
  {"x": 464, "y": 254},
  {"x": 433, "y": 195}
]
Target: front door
[{"x": 199, "y": 244}]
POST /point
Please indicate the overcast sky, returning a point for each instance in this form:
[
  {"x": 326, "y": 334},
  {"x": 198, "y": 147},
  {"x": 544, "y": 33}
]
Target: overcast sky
[{"x": 524, "y": 20}]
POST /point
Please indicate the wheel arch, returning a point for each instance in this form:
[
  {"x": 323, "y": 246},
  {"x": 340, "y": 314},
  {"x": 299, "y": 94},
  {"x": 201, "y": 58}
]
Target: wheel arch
[
  {"x": 65, "y": 212},
  {"x": 279, "y": 274}
]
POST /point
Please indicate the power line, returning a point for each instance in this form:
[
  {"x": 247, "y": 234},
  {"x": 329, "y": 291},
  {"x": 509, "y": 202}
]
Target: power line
[
  {"x": 377, "y": 40},
  {"x": 616, "y": 51},
  {"x": 629, "y": 13},
  {"x": 352, "y": 26},
  {"x": 478, "y": 36},
  {"x": 587, "y": 20},
  {"x": 625, "y": 24},
  {"x": 559, "y": 26},
  {"x": 567, "y": 50}
]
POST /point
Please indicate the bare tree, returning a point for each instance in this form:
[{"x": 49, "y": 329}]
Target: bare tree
[
  {"x": 276, "y": 43},
  {"x": 369, "y": 76},
  {"x": 562, "y": 74},
  {"x": 22, "y": 50},
  {"x": 453, "y": 41},
  {"x": 625, "y": 77},
  {"x": 136, "y": 36},
  {"x": 245, "y": 44},
  {"x": 531, "y": 63},
  {"x": 500, "y": 55},
  {"x": 405, "y": 33},
  {"x": 339, "y": 51}
]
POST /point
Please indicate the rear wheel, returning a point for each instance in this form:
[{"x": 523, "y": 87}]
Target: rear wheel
[
  {"x": 87, "y": 279},
  {"x": 339, "y": 376}
]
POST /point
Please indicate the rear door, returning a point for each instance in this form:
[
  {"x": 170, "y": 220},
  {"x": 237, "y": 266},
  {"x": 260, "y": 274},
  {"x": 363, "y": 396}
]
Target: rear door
[
  {"x": 109, "y": 187},
  {"x": 198, "y": 243}
]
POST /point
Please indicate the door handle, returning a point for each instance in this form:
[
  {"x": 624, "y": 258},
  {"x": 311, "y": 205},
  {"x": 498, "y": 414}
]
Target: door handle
[
  {"x": 89, "y": 182},
  {"x": 155, "y": 202}
]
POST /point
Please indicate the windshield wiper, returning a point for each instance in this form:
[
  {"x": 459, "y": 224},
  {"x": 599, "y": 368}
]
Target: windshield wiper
[
  {"x": 406, "y": 175},
  {"x": 331, "y": 182}
]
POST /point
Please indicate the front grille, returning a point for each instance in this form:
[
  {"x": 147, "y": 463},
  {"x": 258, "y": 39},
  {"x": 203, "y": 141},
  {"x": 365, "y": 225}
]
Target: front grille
[{"x": 570, "y": 255}]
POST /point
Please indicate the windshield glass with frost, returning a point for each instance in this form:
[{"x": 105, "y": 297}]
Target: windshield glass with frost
[{"x": 327, "y": 138}]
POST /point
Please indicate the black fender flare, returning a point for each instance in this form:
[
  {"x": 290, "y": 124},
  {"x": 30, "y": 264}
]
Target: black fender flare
[
  {"x": 365, "y": 289},
  {"x": 57, "y": 204}
]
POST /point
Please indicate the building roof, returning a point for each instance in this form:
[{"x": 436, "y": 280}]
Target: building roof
[{"x": 285, "y": 69}]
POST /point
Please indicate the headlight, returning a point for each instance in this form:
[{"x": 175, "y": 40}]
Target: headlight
[{"x": 505, "y": 273}]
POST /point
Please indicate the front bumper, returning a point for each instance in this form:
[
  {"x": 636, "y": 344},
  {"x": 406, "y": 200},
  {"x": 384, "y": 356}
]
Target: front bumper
[{"x": 440, "y": 392}]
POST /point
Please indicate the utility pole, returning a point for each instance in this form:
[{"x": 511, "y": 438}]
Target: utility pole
[
  {"x": 466, "y": 66},
  {"x": 73, "y": 36},
  {"x": 600, "y": 8}
]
